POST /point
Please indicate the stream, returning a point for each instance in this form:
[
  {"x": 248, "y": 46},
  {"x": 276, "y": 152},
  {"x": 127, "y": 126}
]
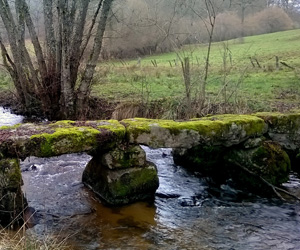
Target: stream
[{"x": 187, "y": 213}]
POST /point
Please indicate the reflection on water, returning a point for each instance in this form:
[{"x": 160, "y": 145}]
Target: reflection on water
[
  {"x": 188, "y": 213},
  {"x": 185, "y": 214}
]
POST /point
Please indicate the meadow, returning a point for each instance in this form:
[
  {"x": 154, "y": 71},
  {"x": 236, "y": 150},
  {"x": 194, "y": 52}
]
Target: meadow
[{"x": 241, "y": 72}]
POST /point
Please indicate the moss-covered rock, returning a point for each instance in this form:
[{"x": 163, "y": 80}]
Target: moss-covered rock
[
  {"x": 268, "y": 161},
  {"x": 207, "y": 160},
  {"x": 283, "y": 128},
  {"x": 224, "y": 130},
  {"x": 124, "y": 156},
  {"x": 12, "y": 201},
  {"x": 121, "y": 186},
  {"x": 261, "y": 158}
]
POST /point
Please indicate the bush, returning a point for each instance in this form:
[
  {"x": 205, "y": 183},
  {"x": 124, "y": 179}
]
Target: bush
[
  {"x": 228, "y": 26},
  {"x": 269, "y": 20}
]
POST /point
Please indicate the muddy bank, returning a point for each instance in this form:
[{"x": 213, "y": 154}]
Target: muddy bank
[
  {"x": 165, "y": 108},
  {"x": 9, "y": 100},
  {"x": 98, "y": 108}
]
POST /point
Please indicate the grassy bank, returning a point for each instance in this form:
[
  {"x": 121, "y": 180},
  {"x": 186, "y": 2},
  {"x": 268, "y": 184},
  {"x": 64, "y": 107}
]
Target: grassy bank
[{"x": 242, "y": 75}]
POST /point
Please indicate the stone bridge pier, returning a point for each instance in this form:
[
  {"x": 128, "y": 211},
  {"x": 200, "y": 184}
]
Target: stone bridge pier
[{"x": 119, "y": 172}]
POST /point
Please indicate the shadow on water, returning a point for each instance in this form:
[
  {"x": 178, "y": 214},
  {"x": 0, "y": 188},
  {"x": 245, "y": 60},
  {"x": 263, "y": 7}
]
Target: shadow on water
[{"x": 188, "y": 212}]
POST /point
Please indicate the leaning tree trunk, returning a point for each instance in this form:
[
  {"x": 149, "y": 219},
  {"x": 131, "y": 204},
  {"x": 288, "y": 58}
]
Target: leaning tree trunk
[
  {"x": 85, "y": 85},
  {"x": 49, "y": 79}
]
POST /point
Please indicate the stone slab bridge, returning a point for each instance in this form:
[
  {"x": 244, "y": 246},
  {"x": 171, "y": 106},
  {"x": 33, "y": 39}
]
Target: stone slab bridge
[{"x": 243, "y": 147}]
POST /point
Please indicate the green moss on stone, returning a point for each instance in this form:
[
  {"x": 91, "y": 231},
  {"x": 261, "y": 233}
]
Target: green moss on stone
[
  {"x": 63, "y": 123},
  {"x": 124, "y": 157},
  {"x": 10, "y": 173},
  {"x": 114, "y": 126},
  {"x": 268, "y": 161},
  {"x": 274, "y": 161},
  {"x": 68, "y": 136},
  {"x": 138, "y": 126},
  {"x": 251, "y": 125},
  {"x": 281, "y": 123},
  {"x": 10, "y": 127},
  {"x": 135, "y": 182},
  {"x": 66, "y": 140},
  {"x": 214, "y": 126}
]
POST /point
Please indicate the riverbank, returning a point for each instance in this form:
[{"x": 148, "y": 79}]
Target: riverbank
[{"x": 19, "y": 240}]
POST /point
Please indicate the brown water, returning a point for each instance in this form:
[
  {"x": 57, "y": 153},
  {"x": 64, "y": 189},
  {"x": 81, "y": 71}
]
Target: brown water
[{"x": 187, "y": 213}]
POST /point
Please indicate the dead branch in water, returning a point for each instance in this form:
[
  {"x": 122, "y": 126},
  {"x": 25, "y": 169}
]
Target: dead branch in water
[{"x": 275, "y": 189}]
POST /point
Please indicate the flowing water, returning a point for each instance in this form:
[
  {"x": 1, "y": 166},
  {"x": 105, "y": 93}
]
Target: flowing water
[
  {"x": 187, "y": 213},
  {"x": 7, "y": 118}
]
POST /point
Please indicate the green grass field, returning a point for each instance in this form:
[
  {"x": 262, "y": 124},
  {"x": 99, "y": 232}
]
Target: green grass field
[
  {"x": 241, "y": 81},
  {"x": 260, "y": 87}
]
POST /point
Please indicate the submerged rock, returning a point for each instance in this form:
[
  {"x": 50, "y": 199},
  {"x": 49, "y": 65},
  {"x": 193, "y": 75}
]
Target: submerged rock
[
  {"x": 268, "y": 161},
  {"x": 244, "y": 163}
]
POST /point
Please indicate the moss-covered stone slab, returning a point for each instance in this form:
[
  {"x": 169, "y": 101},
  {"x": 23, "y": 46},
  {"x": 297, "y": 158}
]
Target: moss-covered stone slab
[
  {"x": 12, "y": 201},
  {"x": 224, "y": 130},
  {"x": 283, "y": 128},
  {"x": 45, "y": 140}
]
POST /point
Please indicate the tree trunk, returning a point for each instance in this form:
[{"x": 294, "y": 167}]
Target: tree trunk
[
  {"x": 85, "y": 85},
  {"x": 47, "y": 79}
]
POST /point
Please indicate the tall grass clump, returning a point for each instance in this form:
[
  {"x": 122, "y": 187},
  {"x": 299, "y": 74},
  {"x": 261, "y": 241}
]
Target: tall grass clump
[{"x": 20, "y": 240}]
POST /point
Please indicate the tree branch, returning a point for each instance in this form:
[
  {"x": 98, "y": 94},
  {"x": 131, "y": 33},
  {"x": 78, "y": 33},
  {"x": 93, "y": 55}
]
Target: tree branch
[{"x": 275, "y": 189}]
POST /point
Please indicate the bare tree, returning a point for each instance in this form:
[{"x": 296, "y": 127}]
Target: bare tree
[
  {"x": 243, "y": 6},
  {"x": 50, "y": 79}
]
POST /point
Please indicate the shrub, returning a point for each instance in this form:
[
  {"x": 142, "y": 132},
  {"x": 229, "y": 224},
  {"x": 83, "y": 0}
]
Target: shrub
[
  {"x": 269, "y": 20},
  {"x": 228, "y": 26}
]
